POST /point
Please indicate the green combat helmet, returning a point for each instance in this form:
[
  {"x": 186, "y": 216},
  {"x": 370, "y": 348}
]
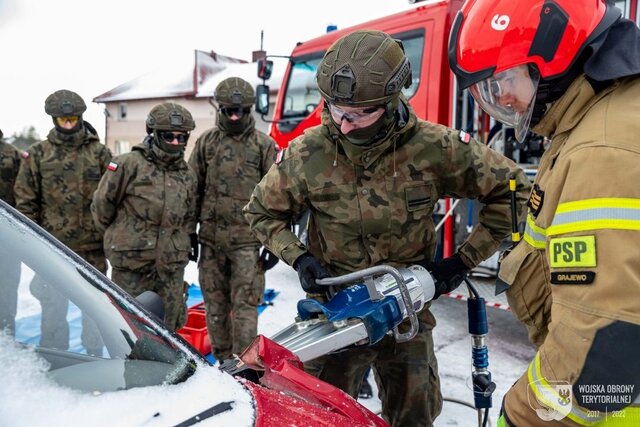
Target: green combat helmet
[
  {"x": 170, "y": 117},
  {"x": 236, "y": 92},
  {"x": 63, "y": 103},
  {"x": 364, "y": 68},
  {"x": 235, "y": 97}
]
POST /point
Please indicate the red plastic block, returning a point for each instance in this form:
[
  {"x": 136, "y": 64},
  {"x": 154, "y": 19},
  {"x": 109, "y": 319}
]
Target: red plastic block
[{"x": 195, "y": 331}]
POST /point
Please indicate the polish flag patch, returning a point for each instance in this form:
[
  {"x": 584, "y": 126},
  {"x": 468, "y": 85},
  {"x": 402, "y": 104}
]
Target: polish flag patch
[
  {"x": 25, "y": 155},
  {"x": 113, "y": 166},
  {"x": 464, "y": 137}
]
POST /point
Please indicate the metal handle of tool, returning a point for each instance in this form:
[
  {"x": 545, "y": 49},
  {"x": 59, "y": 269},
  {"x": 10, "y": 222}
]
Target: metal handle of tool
[
  {"x": 367, "y": 275},
  {"x": 515, "y": 232}
]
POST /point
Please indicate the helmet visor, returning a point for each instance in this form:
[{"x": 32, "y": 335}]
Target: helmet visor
[{"x": 509, "y": 97}]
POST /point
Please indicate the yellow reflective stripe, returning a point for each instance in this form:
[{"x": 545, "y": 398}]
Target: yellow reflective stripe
[
  {"x": 534, "y": 227},
  {"x": 628, "y": 417},
  {"x": 534, "y": 235},
  {"x": 605, "y": 202},
  {"x": 541, "y": 388},
  {"x": 594, "y": 224}
]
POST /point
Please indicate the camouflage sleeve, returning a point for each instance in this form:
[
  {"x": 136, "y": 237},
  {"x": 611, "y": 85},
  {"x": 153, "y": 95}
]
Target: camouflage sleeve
[
  {"x": 277, "y": 199},
  {"x": 198, "y": 163},
  {"x": 478, "y": 172},
  {"x": 269, "y": 157},
  {"x": 109, "y": 195},
  {"x": 27, "y": 188},
  {"x": 105, "y": 158},
  {"x": 191, "y": 220}
]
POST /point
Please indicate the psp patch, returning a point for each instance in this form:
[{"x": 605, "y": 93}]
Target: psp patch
[
  {"x": 113, "y": 166},
  {"x": 577, "y": 251}
]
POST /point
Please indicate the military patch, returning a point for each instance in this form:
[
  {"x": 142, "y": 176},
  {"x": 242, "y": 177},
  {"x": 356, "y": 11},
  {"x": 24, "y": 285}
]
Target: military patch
[
  {"x": 113, "y": 166},
  {"x": 464, "y": 137},
  {"x": 578, "y": 251},
  {"x": 280, "y": 156},
  {"x": 573, "y": 277},
  {"x": 535, "y": 200},
  {"x": 25, "y": 155}
]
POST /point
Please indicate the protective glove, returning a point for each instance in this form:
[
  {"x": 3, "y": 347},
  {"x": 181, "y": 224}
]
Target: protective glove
[
  {"x": 447, "y": 273},
  {"x": 309, "y": 269},
  {"x": 267, "y": 259},
  {"x": 195, "y": 249}
]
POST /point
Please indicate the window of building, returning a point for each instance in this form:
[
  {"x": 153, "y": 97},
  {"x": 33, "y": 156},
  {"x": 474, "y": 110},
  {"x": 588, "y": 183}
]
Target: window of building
[
  {"x": 122, "y": 111},
  {"x": 122, "y": 146}
]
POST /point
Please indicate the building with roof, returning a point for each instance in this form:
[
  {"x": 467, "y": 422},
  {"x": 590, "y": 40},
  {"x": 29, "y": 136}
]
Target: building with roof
[{"x": 189, "y": 82}]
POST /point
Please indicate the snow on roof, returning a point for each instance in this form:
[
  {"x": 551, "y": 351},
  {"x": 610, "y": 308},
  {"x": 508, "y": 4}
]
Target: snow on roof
[{"x": 197, "y": 77}]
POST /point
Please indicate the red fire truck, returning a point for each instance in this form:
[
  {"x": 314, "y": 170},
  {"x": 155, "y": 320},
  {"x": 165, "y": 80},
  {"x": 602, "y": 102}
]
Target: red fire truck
[{"x": 433, "y": 94}]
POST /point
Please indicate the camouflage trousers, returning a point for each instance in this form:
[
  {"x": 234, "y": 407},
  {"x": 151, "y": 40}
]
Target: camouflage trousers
[
  {"x": 406, "y": 374},
  {"x": 53, "y": 324},
  {"x": 169, "y": 285},
  {"x": 9, "y": 283},
  {"x": 231, "y": 295}
]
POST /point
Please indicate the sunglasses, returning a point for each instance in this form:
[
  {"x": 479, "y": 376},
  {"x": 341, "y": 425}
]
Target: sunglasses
[
  {"x": 168, "y": 136},
  {"x": 355, "y": 115},
  {"x": 73, "y": 120},
  {"x": 230, "y": 111}
]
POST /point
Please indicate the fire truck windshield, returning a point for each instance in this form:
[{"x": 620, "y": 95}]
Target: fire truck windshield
[{"x": 301, "y": 94}]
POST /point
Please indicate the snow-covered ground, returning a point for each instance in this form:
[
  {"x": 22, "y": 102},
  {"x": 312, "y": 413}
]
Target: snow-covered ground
[{"x": 509, "y": 351}]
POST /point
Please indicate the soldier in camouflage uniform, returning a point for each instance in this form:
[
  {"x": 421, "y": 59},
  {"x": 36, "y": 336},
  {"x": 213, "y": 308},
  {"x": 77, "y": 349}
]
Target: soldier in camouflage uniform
[
  {"x": 145, "y": 206},
  {"x": 371, "y": 175},
  {"x": 229, "y": 160},
  {"x": 54, "y": 187},
  {"x": 9, "y": 164}
]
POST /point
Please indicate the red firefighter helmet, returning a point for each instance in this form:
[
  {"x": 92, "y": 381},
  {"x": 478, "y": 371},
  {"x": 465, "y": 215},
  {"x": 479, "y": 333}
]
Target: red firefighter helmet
[{"x": 501, "y": 49}]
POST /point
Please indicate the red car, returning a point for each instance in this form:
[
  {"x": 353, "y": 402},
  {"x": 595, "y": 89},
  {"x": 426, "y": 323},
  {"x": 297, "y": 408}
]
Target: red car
[{"x": 108, "y": 361}]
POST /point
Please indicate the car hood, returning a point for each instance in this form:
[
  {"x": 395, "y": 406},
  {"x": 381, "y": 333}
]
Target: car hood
[{"x": 29, "y": 396}]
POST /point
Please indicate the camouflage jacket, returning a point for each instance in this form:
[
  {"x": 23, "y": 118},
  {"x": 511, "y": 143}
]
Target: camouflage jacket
[
  {"x": 56, "y": 182},
  {"x": 228, "y": 168},
  {"x": 374, "y": 205},
  {"x": 144, "y": 205},
  {"x": 9, "y": 164}
]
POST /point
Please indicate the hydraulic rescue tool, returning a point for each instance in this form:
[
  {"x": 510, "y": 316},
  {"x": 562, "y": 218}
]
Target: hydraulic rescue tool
[
  {"x": 379, "y": 299},
  {"x": 360, "y": 314}
]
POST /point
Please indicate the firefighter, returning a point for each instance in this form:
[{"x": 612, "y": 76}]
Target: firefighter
[
  {"x": 9, "y": 165},
  {"x": 145, "y": 205},
  {"x": 571, "y": 73},
  {"x": 371, "y": 175},
  {"x": 55, "y": 183},
  {"x": 229, "y": 160}
]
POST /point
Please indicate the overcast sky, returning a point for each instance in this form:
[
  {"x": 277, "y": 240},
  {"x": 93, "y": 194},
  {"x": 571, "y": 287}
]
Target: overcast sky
[{"x": 92, "y": 46}]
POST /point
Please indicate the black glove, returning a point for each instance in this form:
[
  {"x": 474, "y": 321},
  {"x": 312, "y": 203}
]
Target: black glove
[
  {"x": 309, "y": 269},
  {"x": 195, "y": 250},
  {"x": 267, "y": 259},
  {"x": 447, "y": 273}
]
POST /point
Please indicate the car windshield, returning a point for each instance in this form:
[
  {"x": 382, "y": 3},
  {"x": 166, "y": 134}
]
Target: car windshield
[{"x": 129, "y": 349}]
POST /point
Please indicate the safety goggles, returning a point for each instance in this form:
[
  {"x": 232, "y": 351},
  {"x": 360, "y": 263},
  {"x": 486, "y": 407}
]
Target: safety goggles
[
  {"x": 509, "y": 97},
  {"x": 168, "y": 136},
  {"x": 355, "y": 115},
  {"x": 234, "y": 111},
  {"x": 72, "y": 120}
]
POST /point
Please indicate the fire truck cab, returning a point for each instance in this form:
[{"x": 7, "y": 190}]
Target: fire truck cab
[{"x": 433, "y": 94}]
